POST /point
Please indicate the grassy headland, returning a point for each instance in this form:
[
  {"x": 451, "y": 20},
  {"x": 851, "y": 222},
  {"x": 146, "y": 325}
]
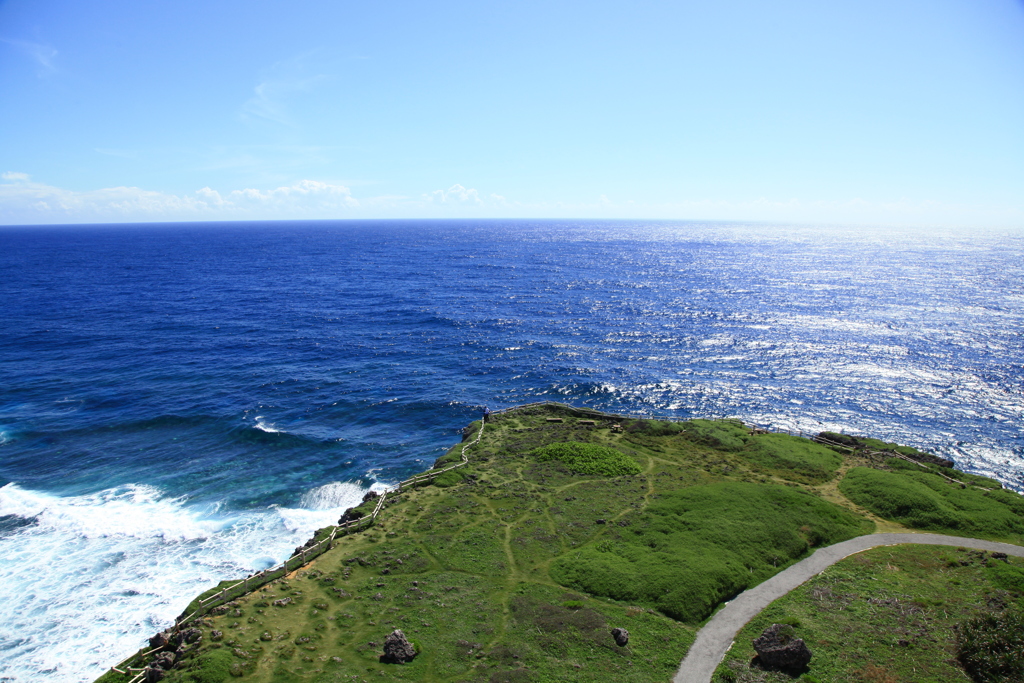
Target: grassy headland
[
  {"x": 887, "y": 615},
  {"x": 563, "y": 525}
]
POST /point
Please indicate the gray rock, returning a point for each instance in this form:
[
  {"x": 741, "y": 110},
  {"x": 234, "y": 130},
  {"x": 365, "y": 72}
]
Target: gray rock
[
  {"x": 397, "y": 649},
  {"x": 780, "y": 650},
  {"x": 163, "y": 660},
  {"x": 350, "y": 515},
  {"x": 159, "y": 640},
  {"x": 621, "y": 636}
]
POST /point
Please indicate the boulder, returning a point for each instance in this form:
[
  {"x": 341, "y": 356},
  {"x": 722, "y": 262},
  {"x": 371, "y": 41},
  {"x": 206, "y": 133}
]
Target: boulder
[
  {"x": 159, "y": 640},
  {"x": 621, "y": 636},
  {"x": 154, "y": 675},
  {"x": 779, "y": 649},
  {"x": 163, "y": 660},
  {"x": 397, "y": 649},
  {"x": 370, "y": 495},
  {"x": 350, "y": 515}
]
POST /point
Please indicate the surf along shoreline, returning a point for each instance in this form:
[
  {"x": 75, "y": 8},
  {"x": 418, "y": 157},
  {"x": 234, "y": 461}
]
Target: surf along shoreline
[{"x": 490, "y": 485}]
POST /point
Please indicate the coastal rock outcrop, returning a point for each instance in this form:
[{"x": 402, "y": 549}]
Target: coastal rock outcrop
[
  {"x": 780, "y": 650},
  {"x": 350, "y": 515},
  {"x": 161, "y": 664},
  {"x": 621, "y": 636},
  {"x": 397, "y": 649},
  {"x": 163, "y": 660},
  {"x": 159, "y": 640}
]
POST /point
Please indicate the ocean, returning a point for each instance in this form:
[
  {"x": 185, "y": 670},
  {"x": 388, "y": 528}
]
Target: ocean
[{"x": 185, "y": 403}]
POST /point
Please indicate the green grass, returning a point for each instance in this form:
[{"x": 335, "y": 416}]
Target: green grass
[
  {"x": 793, "y": 458},
  {"x": 588, "y": 458},
  {"x": 516, "y": 566},
  {"x": 924, "y": 500},
  {"x": 723, "y": 435},
  {"x": 990, "y": 645},
  {"x": 887, "y": 615},
  {"x": 694, "y": 548}
]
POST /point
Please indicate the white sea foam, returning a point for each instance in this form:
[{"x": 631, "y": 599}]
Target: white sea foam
[
  {"x": 93, "y": 576},
  {"x": 264, "y": 427}
]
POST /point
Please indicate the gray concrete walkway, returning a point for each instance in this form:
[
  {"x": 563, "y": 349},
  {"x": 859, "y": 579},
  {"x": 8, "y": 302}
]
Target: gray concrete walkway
[{"x": 717, "y": 636}]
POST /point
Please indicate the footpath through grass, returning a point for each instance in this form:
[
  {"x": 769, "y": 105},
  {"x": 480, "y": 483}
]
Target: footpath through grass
[
  {"x": 517, "y": 566},
  {"x": 888, "y": 615}
]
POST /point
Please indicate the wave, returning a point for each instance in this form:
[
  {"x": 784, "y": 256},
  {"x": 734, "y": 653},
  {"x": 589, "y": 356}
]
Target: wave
[
  {"x": 337, "y": 495},
  {"x": 264, "y": 427},
  {"x": 88, "y": 578}
]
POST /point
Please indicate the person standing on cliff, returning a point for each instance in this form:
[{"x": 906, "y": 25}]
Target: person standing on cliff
[{"x": 487, "y": 414}]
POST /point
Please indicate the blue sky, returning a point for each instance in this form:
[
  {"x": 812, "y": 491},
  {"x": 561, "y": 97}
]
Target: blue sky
[{"x": 895, "y": 112}]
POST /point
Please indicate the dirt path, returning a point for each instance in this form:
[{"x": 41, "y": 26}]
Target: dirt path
[{"x": 717, "y": 636}]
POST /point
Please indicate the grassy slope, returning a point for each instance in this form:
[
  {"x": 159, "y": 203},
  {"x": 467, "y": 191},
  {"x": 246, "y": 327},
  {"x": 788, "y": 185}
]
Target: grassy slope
[
  {"x": 885, "y": 615},
  {"x": 467, "y": 566}
]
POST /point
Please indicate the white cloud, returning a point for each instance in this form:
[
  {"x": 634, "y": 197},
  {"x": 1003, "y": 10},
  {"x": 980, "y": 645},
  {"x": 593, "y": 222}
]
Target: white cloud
[
  {"x": 455, "y": 193},
  {"x": 44, "y": 55},
  {"x": 284, "y": 80},
  {"x": 27, "y": 202},
  {"x": 23, "y": 201}
]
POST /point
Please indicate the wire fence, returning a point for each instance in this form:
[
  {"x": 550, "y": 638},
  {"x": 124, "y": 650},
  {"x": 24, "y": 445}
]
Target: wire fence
[
  {"x": 296, "y": 561},
  {"x": 305, "y": 555}
]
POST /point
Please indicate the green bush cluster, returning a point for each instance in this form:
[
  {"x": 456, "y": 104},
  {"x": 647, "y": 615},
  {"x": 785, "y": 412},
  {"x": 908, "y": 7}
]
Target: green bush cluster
[
  {"x": 724, "y": 435},
  {"x": 656, "y": 427},
  {"x": 693, "y": 548},
  {"x": 990, "y": 646},
  {"x": 449, "y": 478},
  {"x": 588, "y": 458},
  {"x": 1007, "y": 576},
  {"x": 212, "y": 666},
  {"x": 924, "y": 500},
  {"x": 793, "y": 458}
]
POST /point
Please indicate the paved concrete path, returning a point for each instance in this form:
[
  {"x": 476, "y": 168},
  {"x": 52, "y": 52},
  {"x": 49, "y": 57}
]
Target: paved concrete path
[{"x": 717, "y": 636}]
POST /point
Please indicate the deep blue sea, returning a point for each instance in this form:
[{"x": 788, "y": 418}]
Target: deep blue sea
[{"x": 181, "y": 404}]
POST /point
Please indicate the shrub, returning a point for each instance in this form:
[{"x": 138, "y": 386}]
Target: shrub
[
  {"x": 991, "y": 646},
  {"x": 924, "y": 500},
  {"x": 695, "y": 547},
  {"x": 793, "y": 458},
  {"x": 588, "y": 458},
  {"x": 449, "y": 478},
  {"x": 659, "y": 428},
  {"x": 724, "y": 435},
  {"x": 212, "y": 666},
  {"x": 1007, "y": 576}
]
